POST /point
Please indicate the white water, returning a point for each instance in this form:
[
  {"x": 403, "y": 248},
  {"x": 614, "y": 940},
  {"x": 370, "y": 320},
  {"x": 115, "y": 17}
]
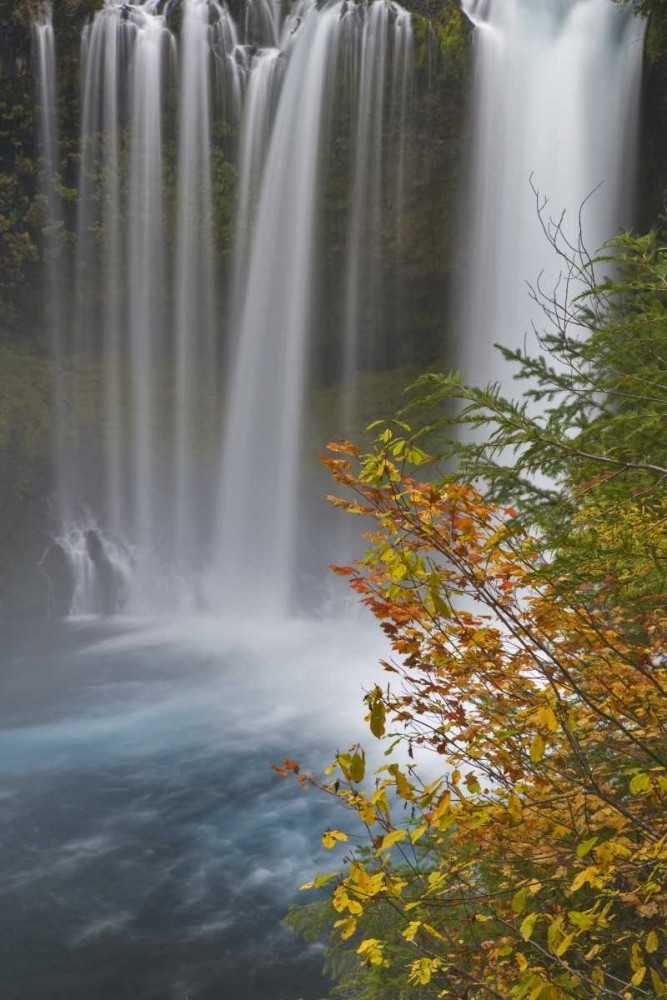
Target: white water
[
  {"x": 262, "y": 444},
  {"x": 556, "y": 97},
  {"x": 205, "y": 370},
  {"x": 175, "y": 343},
  {"x": 47, "y": 94},
  {"x": 263, "y": 89},
  {"x": 147, "y": 272},
  {"x": 196, "y": 294}
]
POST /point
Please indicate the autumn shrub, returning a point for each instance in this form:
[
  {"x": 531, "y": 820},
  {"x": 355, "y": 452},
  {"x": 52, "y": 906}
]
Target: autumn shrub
[{"x": 521, "y": 586}]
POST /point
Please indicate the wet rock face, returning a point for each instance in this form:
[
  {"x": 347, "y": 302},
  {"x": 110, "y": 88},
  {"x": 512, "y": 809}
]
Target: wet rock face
[
  {"x": 57, "y": 566},
  {"x": 653, "y": 153}
]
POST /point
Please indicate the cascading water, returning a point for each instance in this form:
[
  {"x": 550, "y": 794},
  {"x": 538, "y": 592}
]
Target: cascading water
[
  {"x": 263, "y": 87},
  {"x": 172, "y": 345},
  {"x": 268, "y": 373},
  {"x": 557, "y": 95},
  {"x": 380, "y": 50},
  {"x": 194, "y": 358},
  {"x": 196, "y": 306},
  {"x": 55, "y": 278},
  {"x": 147, "y": 273}
]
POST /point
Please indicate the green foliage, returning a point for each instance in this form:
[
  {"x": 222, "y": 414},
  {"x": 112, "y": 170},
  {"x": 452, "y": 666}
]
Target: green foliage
[
  {"x": 20, "y": 13},
  {"x": 589, "y": 429},
  {"x": 656, "y": 34},
  {"x": 19, "y": 205},
  {"x": 454, "y": 35},
  {"x": 647, "y": 8}
]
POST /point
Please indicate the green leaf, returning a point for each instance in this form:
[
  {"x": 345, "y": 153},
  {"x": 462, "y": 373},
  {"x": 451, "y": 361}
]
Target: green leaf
[
  {"x": 378, "y": 718},
  {"x": 353, "y": 766},
  {"x": 640, "y": 783}
]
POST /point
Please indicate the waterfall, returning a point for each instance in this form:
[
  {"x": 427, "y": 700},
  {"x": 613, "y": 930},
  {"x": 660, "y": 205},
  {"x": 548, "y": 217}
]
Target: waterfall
[
  {"x": 263, "y": 88},
  {"x": 380, "y": 53},
  {"x": 556, "y": 98},
  {"x": 47, "y": 99},
  {"x": 268, "y": 373},
  {"x": 196, "y": 304},
  {"x": 187, "y": 355},
  {"x": 147, "y": 272},
  {"x": 144, "y": 310}
]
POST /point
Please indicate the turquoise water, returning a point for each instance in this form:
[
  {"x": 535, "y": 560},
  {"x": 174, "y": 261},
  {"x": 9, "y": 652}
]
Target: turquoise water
[{"x": 149, "y": 850}]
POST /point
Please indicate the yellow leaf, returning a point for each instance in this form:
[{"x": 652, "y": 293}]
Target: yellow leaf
[
  {"x": 527, "y": 926},
  {"x": 539, "y": 987},
  {"x": 584, "y": 848},
  {"x": 418, "y": 834},
  {"x": 378, "y": 711},
  {"x": 546, "y": 718},
  {"x": 638, "y": 977},
  {"x": 434, "y": 932},
  {"x": 554, "y": 933},
  {"x": 340, "y": 899},
  {"x": 584, "y": 921},
  {"x": 422, "y": 971},
  {"x": 442, "y": 808},
  {"x": 640, "y": 783},
  {"x": 515, "y": 809},
  {"x": 391, "y": 838},
  {"x": 537, "y": 749},
  {"x": 367, "y": 812},
  {"x": 564, "y": 945},
  {"x": 411, "y": 930},
  {"x": 332, "y": 837},
  {"x": 651, "y": 942},
  {"x": 403, "y": 786},
  {"x": 658, "y": 984},
  {"x": 589, "y": 875},
  {"x": 348, "y": 927},
  {"x": 604, "y": 855},
  {"x": 371, "y": 951}
]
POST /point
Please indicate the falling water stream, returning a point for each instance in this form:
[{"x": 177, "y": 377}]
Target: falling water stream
[
  {"x": 556, "y": 109},
  {"x": 47, "y": 94},
  {"x": 266, "y": 390},
  {"x": 206, "y": 372},
  {"x": 195, "y": 361}
]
